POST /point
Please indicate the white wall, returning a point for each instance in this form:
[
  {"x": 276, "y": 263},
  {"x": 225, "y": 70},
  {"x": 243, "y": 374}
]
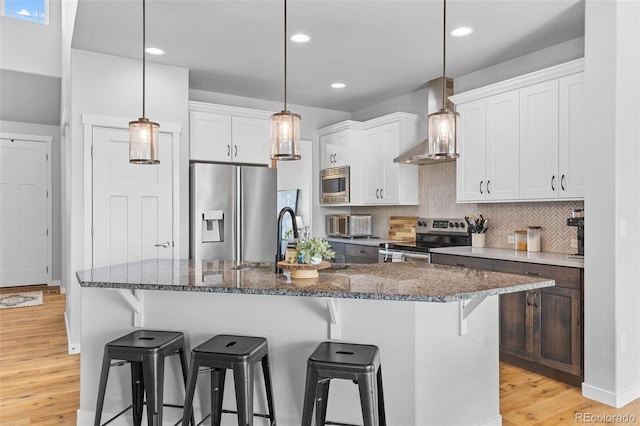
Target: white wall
[
  {"x": 54, "y": 132},
  {"x": 112, "y": 86},
  {"x": 312, "y": 120},
  {"x": 612, "y": 270},
  {"x": 32, "y": 48}
]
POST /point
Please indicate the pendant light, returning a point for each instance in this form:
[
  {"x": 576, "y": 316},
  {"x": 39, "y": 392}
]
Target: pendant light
[
  {"x": 285, "y": 125},
  {"x": 144, "y": 135},
  {"x": 442, "y": 124}
]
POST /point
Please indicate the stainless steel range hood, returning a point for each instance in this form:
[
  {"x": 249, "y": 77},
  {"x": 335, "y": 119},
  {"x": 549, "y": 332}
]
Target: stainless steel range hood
[{"x": 419, "y": 153}]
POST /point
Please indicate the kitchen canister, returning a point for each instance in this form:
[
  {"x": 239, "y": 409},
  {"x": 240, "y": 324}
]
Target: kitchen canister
[
  {"x": 477, "y": 240},
  {"x": 533, "y": 238},
  {"x": 521, "y": 240}
]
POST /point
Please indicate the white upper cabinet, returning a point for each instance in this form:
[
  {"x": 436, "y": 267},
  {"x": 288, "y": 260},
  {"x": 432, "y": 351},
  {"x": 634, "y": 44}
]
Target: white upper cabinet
[
  {"x": 539, "y": 141},
  {"x": 522, "y": 139},
  {"x": 334, "y": 149},
  {"x": 228, "y": 134},
  {"x": 572, "y": 135}
]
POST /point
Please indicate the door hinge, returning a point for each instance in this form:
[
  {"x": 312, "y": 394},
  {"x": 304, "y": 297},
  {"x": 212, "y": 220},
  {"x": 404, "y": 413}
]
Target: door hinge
[
  {"x": 47, "y": 269},
  {"x": 47, "y": 193},
  {"x": 47, "y": 156},
  {"x": 92, "y": 232},
  {"x": 47, "y": 232}
]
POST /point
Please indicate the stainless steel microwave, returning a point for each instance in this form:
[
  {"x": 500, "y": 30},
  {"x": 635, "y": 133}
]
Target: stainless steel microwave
[{"x": 334, "y": 185}]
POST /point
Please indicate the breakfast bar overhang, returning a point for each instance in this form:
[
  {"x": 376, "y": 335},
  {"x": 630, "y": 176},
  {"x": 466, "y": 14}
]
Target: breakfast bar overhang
[{"x": 436, "y": 327}]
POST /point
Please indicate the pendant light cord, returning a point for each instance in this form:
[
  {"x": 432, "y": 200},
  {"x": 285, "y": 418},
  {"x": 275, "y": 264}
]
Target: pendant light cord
[
  {"x": 444, "y": 53},
  {"x": 285, "y": 55},
  {"x": 144, "y": 54}
]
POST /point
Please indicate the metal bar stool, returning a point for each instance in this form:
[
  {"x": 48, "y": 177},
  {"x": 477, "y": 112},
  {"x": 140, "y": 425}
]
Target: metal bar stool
[
  {"x": 333, "y": 360},
  {"x": 240, "y": 354},
  {"x": 146, "y": 351}
]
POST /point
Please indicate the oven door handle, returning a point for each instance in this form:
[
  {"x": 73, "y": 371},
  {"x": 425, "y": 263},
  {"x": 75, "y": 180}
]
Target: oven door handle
[{"x": 416, "y": 256}]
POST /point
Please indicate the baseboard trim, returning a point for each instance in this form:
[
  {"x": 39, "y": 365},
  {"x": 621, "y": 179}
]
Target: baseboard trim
[
  {"x": 617, "y": 400},
  {"x": 72, "y": 348},
  {"x": 496, "y": 421}
]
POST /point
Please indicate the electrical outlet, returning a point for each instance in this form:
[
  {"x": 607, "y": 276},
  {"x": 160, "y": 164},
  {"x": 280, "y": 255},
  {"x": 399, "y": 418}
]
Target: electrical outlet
[
  {"x": 511, "y": 239},
  {"x": 574, "y": 243}
]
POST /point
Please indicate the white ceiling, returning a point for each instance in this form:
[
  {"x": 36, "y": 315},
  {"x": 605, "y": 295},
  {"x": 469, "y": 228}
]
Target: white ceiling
[{"x": 380, "y": 49}]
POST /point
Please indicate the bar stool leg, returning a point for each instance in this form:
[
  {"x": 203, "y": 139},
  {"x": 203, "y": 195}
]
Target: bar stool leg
[
  {"x": 266, "y": 372},
  {"x": 191, "y": 388},
  {"x": 137, "y": 392},
  {"x": 382, "y": 418},
  {"x": 218, "y": 376},
  {"x": 102, "y": 387},
  {"x": 185, "y": 375},
  {"x": 309, "y": 396},
  {"x": 368, "y": 398},
  {"x": 322, "y": 395},
  {"x": 243, "y": 379},
  {"x": 153, "y": 373}
]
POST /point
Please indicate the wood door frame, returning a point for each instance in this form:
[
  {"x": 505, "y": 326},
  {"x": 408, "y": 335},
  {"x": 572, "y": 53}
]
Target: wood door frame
[
  {"x": 89, "y": 121},
  {"x": 48, "y": 140}
]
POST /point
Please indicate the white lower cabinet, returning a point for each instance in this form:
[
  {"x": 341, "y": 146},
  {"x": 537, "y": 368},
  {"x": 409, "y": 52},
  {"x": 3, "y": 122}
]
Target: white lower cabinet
[
  {"x": 523, "y": 139},
  {"x": 228, "y": 134}
]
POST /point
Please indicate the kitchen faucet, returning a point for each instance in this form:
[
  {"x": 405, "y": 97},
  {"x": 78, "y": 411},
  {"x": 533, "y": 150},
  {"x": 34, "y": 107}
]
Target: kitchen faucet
[{"x": 279, "y": 255}]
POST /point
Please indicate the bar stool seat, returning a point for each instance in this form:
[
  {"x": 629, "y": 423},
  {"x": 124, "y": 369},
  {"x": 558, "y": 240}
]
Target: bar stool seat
[
  {"x": 336, "y": 360},
  {"x": 146, "y": 351},
  {"x": 239, "y": 354}
]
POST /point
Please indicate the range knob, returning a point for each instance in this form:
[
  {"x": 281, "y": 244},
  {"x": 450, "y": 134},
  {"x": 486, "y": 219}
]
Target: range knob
[
  {"x": 450, "y": 225},
  {"x": 461, "y": 224},
  {"x": 457, "y": 225}
]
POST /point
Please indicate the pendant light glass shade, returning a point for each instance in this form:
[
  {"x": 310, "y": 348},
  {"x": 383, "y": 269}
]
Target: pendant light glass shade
[
  {"x": 144, "y": 135},
  {"x": 144, "y": 138},
  {"x": 442, "y": 134},
  {"x": 285, "y": 125},
  {"x": 285, "y": 136},
  {"x": 442, "y": 124}
]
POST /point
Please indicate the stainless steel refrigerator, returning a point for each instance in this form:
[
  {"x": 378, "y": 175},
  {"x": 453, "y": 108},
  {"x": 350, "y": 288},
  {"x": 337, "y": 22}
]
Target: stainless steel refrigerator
[{"x": 232, "y": 212}]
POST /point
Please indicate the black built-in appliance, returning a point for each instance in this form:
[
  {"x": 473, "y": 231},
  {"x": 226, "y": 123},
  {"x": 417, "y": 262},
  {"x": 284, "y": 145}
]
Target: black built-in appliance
[
  {"x": 578, "y": 222},
  {"x": 430, "y": 233}
]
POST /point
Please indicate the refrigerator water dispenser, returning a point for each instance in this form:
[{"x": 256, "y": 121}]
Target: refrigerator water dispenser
[{"x": 212, "y": 226}]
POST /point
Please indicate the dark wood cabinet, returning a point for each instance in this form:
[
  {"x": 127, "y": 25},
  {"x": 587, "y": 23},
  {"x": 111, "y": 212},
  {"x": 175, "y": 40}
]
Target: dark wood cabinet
[{"x": 540, "y": 330}]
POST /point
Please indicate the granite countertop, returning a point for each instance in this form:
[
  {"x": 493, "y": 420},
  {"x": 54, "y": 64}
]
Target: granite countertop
[
  {"x": 402, "y": 281},
  {"x": 557, "y": 259}
]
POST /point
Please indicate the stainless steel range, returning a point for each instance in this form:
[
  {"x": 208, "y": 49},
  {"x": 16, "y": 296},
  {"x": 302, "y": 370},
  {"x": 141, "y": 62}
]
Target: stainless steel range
[{"x": 430, "y": 233}]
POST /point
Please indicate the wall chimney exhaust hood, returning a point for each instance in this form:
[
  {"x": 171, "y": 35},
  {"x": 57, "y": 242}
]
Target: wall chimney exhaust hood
[{"x": 419, "y": 153}]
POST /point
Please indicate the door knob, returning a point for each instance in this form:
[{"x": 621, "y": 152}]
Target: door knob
[{"x": 165, "y": 244}]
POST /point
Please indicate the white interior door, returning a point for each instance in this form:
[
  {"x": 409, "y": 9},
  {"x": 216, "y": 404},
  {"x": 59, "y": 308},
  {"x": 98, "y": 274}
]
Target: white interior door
[
  {"x": 24, "y": 213},
  {"x": 132, "y": 203}
]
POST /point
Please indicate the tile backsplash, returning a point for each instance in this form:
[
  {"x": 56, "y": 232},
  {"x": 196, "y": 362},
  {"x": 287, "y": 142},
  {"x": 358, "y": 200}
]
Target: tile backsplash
[{"x": 437, "y": 198}]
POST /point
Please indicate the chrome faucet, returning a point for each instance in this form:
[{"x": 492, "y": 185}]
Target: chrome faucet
[{"x": 279, "y": 255}]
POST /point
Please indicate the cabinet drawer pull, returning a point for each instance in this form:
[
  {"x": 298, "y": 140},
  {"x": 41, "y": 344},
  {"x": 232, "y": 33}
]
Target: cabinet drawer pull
[
  {"x": 481, "y": 187},
  {"x": 553, "y": 182},
  {"x": 537, "y": 274},
  {"x": 462, "y": 265},
  {"x": 363, "y": 251},
  {"x": 562, "y": 183}
]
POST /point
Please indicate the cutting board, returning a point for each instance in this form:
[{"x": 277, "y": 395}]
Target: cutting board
[{"x": 402, "y": 228}]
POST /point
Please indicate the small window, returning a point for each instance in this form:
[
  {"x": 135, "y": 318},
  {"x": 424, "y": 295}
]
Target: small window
[{"x": 27, "y": 10}]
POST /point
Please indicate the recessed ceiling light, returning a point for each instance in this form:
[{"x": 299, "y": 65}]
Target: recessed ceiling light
[
  {"x": 338, "y": 85},
  {"x": 154, "y": 51},
  {"x": 461, "y": 31},
  {"x": 300, "y": 38}
]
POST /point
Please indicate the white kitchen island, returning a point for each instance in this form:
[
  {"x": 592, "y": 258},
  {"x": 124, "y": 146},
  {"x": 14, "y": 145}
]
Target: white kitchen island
[{"x": 436, "y": 326}]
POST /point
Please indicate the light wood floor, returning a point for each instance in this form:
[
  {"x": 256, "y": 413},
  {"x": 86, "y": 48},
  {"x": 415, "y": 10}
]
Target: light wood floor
[{"x": 39, "y": 381}]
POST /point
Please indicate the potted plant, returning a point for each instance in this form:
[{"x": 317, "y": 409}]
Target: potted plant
[{"x": 313, "y": 250}]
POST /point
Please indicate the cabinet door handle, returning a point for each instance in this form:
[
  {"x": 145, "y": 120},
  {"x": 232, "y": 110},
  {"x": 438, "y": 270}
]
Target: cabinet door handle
[
  {"x": 562, "y": 183},
  {"x": 535, "y": 300},
  {"x": 381, "y": 193},
  {"x": 481, "y": 187},
  {"x": 553, "y": 182},
  {"x": 488, "y": 191},
  {"x": 462, "y": 265},
  {"x": 377, "y": 193},
  {"x": 529, "y": 298},
  {"x": 335, "y": 157},
  {"x": 228, "y": 150},
  {"x": 363, "y": 251},
  {"x": 235, "y": 150},
  {"x": 537, "y": 274}
]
